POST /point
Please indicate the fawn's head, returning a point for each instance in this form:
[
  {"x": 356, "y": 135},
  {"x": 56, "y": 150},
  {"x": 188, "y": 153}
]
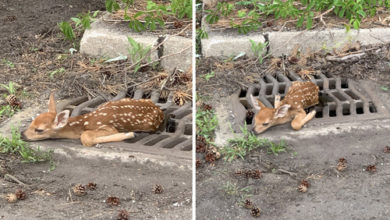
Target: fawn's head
[
  {"x": 47, "y": 124},
  {"x": 267, "y": 117}
]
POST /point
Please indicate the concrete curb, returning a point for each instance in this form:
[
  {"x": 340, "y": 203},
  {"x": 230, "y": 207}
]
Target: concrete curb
[
  {"x": 114, "y": 152},
  {"x": 229, "y": 43},
  {"x": 110, "y": 40},
  {"x": 105, "y": 40}
]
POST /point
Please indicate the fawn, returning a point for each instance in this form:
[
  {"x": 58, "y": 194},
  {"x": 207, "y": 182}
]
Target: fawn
[
  {"x": 299, "y": 96},
  {"x": 110, "y": 122}
]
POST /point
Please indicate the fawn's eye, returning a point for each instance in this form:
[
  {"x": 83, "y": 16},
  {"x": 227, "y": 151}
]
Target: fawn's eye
[
  {"x": 265, "y": 124},
  {"x": 38, "y": 130}
]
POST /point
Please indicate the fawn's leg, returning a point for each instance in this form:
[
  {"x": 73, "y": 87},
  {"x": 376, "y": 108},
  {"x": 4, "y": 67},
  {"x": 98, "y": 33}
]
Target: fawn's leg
[
  {"x": 302, "y": 118},
  {"x": 277, "y": 101},
  {"x": 103, "y": 135}
]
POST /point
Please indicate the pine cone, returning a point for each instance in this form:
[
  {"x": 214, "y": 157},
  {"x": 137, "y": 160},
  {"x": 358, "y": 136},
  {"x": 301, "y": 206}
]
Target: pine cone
[
  {"x": 123, "y": 215},
  {"x": 248, "y": 204},
  {"x": 13, "y": 101},
  {"x": 158, "y": 189},
  {"x": 112, "y": 200},
  {"x": 255, "y": 212},
  {"x": 20, "y": 194},
  {"x": 79, "y": 190}
]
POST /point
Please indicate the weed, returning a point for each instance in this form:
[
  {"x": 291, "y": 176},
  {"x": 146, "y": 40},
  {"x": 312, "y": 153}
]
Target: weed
[
  {"x": 258, "y": 49},
  {"x": 81, "y": 22},
  {"x": 56, "y": 72},
  {"x": 67, "y": 30},
  {"x": 255, "y": 10},
  {"x": 112, "y": 5},
  {"x": 200, "y": 34},
  {"x": 209, "y": 75},
  {"x": 84, "y": 20},
  {"x": 8, "y": 63},
  {"x": 232, "y": 189},
  {"x": 206, "y": 123},
  {"x": 8, "y": 111},
  {"x": 182, "y": 8},
  {"x": 16, "y": 145},
  {"x": 138, "y": 53},
  {"x": 240, "y": 146},
  {"x": 10, "y": 88},
  {"x": 277, "y": 148},
  {"x": 154, "y": 14}
]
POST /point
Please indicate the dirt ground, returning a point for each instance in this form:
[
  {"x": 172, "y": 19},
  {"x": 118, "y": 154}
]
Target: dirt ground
[
  {"x": 48, "y": 192},
  {"x": 32, "y": 48},
  {"x": 312, "y": 153}
]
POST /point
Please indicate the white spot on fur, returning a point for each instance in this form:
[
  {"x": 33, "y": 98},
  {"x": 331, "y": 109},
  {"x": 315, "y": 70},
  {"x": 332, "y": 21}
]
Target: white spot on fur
[{"x": 86, "y": 123}]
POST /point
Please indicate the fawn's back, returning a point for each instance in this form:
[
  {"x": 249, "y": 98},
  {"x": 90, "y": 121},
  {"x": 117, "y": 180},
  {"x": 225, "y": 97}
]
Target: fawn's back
[{"x": 125, "y": 115}]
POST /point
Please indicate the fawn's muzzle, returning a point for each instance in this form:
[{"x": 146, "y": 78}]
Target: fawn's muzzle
[{"x": 23, "y": 136}]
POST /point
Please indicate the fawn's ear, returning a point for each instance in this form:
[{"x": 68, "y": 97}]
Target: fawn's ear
[
  {"x": 257, "y": 104},
  {"x": 61, "y": 119},
  {"x": 281, "y": 111},
  {"x": 52, "y": 103}
]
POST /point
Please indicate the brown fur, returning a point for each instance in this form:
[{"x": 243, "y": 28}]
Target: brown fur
[
  {"x": 112, "y": 121},
  {"x": 300, "y": 95}
]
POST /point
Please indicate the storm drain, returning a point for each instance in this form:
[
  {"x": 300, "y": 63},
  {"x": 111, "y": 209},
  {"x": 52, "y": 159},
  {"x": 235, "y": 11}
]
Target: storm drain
[
  {"x": 341, "y": 100},
  {"x": 176, "y": 132}
]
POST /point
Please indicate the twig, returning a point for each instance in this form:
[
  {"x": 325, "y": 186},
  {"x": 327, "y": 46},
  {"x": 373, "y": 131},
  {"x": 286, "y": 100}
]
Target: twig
[
  {"x": 287, "y": 172},
  {"x": 316, "y": 17},
  {"x": 123, "y": 20},
  {"x": 70, "y": 195},
  {"x": 10, "y": 177},
  {"x": 344, "y": 58}
]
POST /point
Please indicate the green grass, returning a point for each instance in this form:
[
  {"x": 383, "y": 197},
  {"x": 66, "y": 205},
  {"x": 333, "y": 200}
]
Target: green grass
[
  {"x": 277, "y": 148},
  {"x": 206, "y": 123},
  {"x": 10, "y": 88},
  {"x": 154, "y": 15},
  {"x": 231, "y": 189},
  {"x": 15, "y": 145},
  {"x": 241, "y": 146},
  {"x": 7, "y": 110}
]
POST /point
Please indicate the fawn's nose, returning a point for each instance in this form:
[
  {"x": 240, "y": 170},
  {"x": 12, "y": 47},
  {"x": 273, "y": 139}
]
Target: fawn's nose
[{"x": 23, "y": 136}]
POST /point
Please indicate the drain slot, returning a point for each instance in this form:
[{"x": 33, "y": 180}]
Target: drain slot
[
  {"x": 372, "y": 107},
  {"x": 352, "y": 95},
  {"x": 174, "y": 142},
  {"x": 242, "y": 93},
  {"x": 156, "y": 140},
  {"x": 188, "y": 129}
]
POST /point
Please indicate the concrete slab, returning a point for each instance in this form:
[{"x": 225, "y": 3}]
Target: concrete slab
[
  {"x": 111, "y": 40},
  {"x": 283, "y": 42},
  {"x": 182, "y": 48},
  {"x": 226, "y": 44}
]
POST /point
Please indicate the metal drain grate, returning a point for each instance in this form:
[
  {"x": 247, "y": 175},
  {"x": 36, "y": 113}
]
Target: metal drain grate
[
  {"x": 341, "y": 100},
  {"x": 176, "y": 131}
]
